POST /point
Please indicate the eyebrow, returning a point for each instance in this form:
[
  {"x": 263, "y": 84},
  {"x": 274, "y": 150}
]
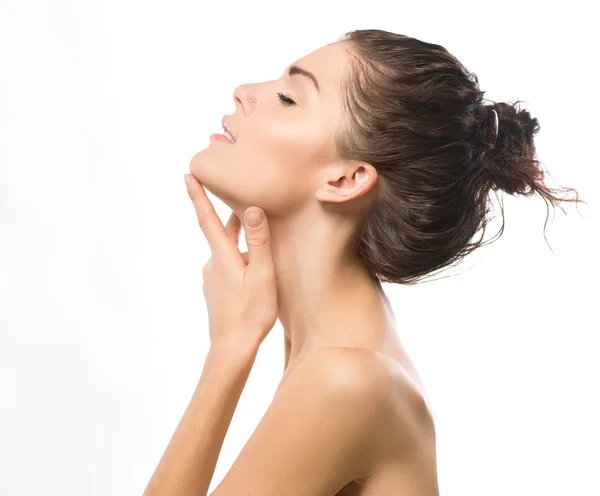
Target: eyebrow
[{"x": 294, "y": 69}]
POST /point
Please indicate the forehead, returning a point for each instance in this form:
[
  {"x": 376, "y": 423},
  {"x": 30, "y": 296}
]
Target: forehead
[{"x": 328, "y": 64}]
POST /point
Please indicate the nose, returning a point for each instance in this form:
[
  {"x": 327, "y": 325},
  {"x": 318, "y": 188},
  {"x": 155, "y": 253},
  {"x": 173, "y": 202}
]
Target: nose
[{"x": 242, "y": 96}]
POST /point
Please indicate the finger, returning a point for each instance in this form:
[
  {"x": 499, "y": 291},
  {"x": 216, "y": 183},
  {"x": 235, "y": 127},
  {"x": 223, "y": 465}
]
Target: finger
[
  {"x": 209, "y": 222},
  {"x": 233, "y": 228},
  {"x": 259, "y": 244}
]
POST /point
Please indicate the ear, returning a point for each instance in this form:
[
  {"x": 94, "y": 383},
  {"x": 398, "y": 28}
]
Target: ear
[{"x": 348, "y": 181}]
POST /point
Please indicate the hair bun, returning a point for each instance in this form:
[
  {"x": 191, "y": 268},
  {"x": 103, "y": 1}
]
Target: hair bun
[
  {"x": 509, "y": 155},
  {"x": 414, "y": 112}
]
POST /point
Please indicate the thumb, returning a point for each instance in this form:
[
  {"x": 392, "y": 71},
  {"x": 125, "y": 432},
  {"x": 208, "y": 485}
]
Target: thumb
[{"x": 257, "y": 238}]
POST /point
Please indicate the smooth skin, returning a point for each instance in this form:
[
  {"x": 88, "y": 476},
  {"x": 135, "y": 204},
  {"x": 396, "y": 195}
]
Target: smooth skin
[
  {"x": 350, "y": 405},
  {"x": 284, "y": 162},
  {"x": 240, "y": 288},
  {"x": 307, "y": 442}
]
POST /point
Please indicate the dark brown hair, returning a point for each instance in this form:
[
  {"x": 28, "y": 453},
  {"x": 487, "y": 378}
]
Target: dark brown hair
[{"x": 412, "y": 111}]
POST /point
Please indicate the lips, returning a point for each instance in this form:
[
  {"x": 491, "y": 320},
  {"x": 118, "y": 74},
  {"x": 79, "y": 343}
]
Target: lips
[{"x": 227, "y": 127}]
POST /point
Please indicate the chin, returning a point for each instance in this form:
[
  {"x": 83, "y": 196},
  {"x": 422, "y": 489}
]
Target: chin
[
  {"x": 205, "y": 168},
  {"x": 218, "y": 186}
]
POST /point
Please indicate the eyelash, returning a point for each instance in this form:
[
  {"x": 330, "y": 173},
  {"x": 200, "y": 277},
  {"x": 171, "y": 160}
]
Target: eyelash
[{"x": 285, "y": 100}]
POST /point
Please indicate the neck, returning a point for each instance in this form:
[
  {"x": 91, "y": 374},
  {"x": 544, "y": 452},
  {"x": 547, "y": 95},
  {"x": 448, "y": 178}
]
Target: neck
[{"x": 324, "y": 297}]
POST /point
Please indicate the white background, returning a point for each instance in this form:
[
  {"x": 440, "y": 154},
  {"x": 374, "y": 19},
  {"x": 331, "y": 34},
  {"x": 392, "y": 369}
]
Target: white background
[{"x": 103, "y": 325}]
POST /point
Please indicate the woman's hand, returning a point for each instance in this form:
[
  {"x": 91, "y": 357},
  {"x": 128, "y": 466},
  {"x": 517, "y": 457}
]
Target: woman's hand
[{"x": 240, "y": 289}]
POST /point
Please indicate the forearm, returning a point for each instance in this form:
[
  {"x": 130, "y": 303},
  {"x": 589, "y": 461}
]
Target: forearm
[{"x": 188, "y": 464}]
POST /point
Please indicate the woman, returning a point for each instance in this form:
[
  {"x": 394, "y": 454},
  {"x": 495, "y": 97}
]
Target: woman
[{"x": 371, "y": 159}]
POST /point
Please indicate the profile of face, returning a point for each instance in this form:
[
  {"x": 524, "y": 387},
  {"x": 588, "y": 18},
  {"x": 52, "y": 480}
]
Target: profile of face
[{"x": 283, "y": 156}]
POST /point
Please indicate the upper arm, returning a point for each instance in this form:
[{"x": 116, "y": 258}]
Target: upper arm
[{"x": 314, "y": 437}]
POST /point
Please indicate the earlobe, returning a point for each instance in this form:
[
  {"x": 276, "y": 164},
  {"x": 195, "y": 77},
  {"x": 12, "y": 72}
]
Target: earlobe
[{"x": 324, "y": 194}]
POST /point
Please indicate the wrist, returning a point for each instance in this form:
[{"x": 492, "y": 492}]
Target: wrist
[{"x": 226, "y": 367}]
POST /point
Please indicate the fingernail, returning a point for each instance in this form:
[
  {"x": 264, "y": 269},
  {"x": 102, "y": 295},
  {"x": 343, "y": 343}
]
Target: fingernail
[
  {"x": 187, "y": 180},
  {"x": 254, "y": 218}
]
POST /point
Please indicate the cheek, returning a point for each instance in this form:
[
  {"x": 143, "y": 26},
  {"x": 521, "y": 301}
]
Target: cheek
[
  {"x": 287, "y": 144},
  {"x": 271, "y": 166},
  {"x": 275, "y": 171},
  {"x": 284, "y": 153}
]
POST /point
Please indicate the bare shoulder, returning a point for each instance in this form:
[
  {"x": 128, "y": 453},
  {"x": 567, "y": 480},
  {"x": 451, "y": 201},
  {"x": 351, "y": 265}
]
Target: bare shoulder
[
  {"x": 376, "y": 392},
  {"x": 347, "y": 375},
  {"x": 348, "y": 369},
  {"x": 327, "y": 426},
  {"x": 365, "y": 374}
]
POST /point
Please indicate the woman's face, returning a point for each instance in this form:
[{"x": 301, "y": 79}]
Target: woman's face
[{"x": 282, "y": 141}]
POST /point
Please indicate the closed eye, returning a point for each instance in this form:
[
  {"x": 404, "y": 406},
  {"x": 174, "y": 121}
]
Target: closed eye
[{"x": 285, "y": 100}]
